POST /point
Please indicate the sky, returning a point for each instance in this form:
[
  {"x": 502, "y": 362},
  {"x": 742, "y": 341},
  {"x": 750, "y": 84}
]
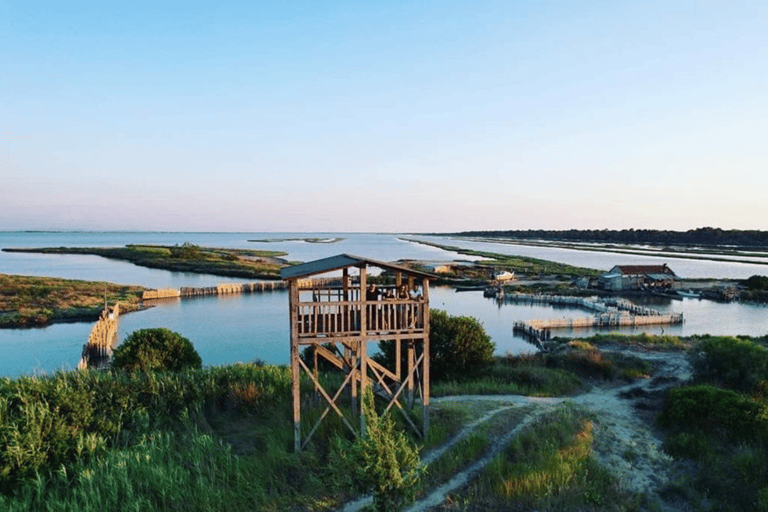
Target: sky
[{"x": 383, "y": 116}]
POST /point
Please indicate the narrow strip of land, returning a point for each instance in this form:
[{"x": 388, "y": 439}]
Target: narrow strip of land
[
  {"x": 28, "y": 301},
  {"x": 670, "y": 252},
  {"x": 185, "y": 258}
]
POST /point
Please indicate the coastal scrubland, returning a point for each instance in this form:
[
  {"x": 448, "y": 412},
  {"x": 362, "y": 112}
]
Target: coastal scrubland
[{"x": 221, "y": 438}]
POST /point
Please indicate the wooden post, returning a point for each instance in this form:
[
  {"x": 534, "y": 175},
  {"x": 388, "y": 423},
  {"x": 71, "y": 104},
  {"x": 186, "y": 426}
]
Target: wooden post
[
  {"x": 411, "y": 364},
  {"x": 363, "y": 347},
  {"x": 425, "y": 361},
  {"x": 293, "y": 304}
]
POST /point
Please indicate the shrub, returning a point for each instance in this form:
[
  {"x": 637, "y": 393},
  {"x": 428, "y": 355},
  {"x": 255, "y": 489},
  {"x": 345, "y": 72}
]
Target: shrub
[
  {"x": 187, "y": 251},
  {"x": 383, "y": 462},
  {"x": 757, "y": 282},
  {"x": 459, "y": 347},
  {"x": 156, "y": 349},
  {"x": 730, "y": 362},
  {"x": 715, "y": 411}
]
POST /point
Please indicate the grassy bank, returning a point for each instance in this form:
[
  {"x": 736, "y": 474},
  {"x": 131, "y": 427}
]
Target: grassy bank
[
  {"x": 27, "y": 301},
  {"x": 703, "y": 254},
  {"x": 522, "y": 265},
  {"x": 185, "y": 258}
]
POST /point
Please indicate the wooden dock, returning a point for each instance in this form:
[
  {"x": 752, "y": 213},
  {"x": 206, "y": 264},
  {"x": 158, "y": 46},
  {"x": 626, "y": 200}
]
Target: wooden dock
[{"x": 609, "y": 313}]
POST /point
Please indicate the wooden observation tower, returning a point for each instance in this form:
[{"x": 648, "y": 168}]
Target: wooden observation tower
[{"x": 341, "y": 317}]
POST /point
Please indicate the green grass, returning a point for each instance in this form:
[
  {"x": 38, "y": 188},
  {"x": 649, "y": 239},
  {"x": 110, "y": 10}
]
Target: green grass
[
  {"x": 520, "y": 264},
  {"x": 655, "y": 341},
  {"x": 220, "y": 437},
  {"x": 36, "y": 301},
  {"x": 472, "y": 447},
  {"x": 548, "y": 467},
  {"x": 185, "y": 258}
]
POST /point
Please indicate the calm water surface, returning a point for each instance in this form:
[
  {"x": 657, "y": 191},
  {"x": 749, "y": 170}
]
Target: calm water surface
[{"x": 249, "y": 327}]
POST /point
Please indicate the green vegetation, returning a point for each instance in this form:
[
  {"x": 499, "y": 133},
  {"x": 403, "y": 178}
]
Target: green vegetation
[
  {"x": 185, "y": 258},
  {"x": 473, "y": 446},
  {"x": 459, "y": 348},
  {"x": 757, "y": 289},
  {"x": 520, "y": 264},
  {"x": 153, "y": 441},
  {"x": 515, "y": 375},
  {"x": 221, "y": 438},
  {"x": 27, "y": 301},
  {"x": 156, "y": 349},
  {"x": 384, "y": 462},
  {"x": 720, "y": 424},
  {"x": 733, "y": 363},
  {"x": 700, "y": 237},
  {"x": 757, "y": 283},
  {"x": 548, "y": 467},
  {"x": 565, "y": 370},
  {"x": 642, "y": 340}
]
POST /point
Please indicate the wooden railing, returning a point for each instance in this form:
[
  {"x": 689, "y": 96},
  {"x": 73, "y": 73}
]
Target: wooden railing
[{"x": 342, "y": 318}]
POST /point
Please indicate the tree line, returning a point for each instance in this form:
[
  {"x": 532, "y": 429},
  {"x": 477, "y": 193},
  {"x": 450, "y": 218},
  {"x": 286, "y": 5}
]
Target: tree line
[{"x": 707, "y": 236}]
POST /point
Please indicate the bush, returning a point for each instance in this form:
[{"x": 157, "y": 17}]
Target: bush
[
  {"x": 383, "y": 462},
  {"x": 757, "y": 283},
  {"x": 737, "y": 364},
  {"x": 156, "y": 349},
  {"x": 187, "y": 251},
  {"x": 715, "y": 411},
  {"x": 459, "y": 347}
]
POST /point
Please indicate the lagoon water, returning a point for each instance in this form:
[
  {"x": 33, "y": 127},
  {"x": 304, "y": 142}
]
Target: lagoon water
[{"x": 248, "y": 327}]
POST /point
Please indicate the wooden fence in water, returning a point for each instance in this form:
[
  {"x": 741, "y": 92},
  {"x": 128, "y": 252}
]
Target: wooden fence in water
[
  {"x": 233, "y": 288},
  {"x": 98, "y": 349}
]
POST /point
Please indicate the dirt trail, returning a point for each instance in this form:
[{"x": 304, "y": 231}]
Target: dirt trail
[{"x": 624, "y": 441}]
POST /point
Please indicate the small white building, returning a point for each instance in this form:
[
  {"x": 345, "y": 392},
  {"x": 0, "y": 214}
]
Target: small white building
[{"x": 504, "y": 275}]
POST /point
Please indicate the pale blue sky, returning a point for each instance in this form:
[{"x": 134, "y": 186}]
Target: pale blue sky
[{"x": 383, "y": 116}]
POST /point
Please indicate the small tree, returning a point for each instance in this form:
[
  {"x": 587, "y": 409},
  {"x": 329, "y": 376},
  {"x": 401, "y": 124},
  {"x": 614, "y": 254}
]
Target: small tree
[
  {"x": 459, "y": 346},
  {"x": 384, "y": 462},
  {"x": 156, "y": 349}
]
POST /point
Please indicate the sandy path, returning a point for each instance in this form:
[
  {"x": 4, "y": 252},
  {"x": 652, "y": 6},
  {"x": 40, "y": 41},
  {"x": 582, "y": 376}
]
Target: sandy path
[{"x": 624, "y": 443}]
